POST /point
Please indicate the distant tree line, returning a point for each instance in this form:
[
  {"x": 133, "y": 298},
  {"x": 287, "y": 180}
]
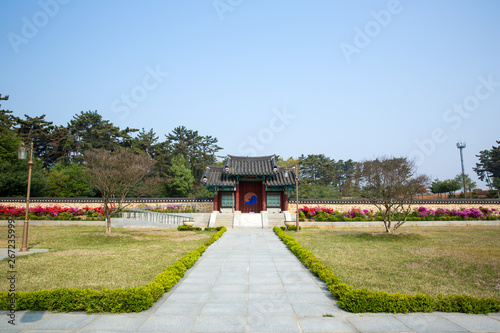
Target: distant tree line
[
  {"x": 179, "y": 160},
  {"x": 59, "y": 168}
]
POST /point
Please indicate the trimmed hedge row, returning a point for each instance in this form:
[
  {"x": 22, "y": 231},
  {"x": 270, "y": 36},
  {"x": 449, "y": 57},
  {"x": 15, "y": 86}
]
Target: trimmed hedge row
[
  {"x": 364, "y": 300},
  {"x": 107, "y": 300}
]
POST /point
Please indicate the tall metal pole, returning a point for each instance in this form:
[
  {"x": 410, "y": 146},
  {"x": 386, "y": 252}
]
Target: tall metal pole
[
  {"x": 461, "y": 146},
  {"x": 297, "y": 202},
  {"x": 24, "y": 247}
]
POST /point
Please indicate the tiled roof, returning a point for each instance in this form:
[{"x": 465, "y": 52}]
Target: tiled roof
[
  {"x": 216, "y": 176},
  {"x": 250, "y": 166},
  {"x": 237, "y": 166}
]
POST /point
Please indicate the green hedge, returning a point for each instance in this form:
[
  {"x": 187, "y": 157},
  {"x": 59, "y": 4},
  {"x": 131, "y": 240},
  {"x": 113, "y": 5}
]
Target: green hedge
[
  {"x": 364, "y": 300},
  {"x": 108, "y": 300},
  {"x": 186, "y": 228}
]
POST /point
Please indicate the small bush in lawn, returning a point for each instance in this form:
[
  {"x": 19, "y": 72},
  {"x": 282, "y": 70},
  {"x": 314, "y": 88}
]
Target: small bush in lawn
[
  {"x": 186, "y": 228},
  {"x": 294, "y": 228}
]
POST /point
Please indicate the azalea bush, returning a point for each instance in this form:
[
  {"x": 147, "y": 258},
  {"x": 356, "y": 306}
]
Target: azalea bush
[
  {"x": 460, "y": 214},
  {"x": 320, "y": 214},
  {"x": 52, "y": 213}
]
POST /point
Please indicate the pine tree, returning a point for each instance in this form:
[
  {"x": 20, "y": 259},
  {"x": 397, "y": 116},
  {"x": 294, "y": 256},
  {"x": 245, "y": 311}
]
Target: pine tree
[{"x": 181, "y": 179}]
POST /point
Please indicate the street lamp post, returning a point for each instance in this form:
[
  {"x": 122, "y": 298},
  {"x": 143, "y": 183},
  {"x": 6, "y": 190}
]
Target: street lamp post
[
  {"x": 22, "y": 154},
  {"x": 297, "y": 199}
]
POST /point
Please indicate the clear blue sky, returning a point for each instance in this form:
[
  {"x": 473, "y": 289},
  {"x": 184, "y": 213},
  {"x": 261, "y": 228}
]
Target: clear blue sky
[{"x": 341, "y": 78}]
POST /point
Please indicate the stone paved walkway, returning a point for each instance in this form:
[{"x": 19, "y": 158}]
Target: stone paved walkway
[{"x": 248, "y": 281}]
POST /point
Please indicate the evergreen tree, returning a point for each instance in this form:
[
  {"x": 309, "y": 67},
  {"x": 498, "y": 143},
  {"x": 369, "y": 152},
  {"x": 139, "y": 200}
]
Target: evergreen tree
[
  {"x": 69, "y": 180},
  {"x": 39, "y": 131},
  {"x": 88, "y": 131},
  {"x": 181, "y": 179},
  {"x": 199, "y": 151},
  {"x": 488, "y": 167},
  {"x": 14, "y": 172}
]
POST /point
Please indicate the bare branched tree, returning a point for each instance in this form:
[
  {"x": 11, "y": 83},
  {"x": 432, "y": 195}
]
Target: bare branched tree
[
  {"x": 118, "y": 175},
  {"x": 391, "y": 185}
]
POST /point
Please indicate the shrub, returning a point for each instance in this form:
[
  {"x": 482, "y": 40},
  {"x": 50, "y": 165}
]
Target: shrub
[
  {"x": 294, "y": 228},
  {"x": 186, "y": 228}
]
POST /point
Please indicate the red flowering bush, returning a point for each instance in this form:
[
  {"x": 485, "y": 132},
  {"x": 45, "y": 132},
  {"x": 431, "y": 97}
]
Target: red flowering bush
[{"x": 52, "y": 212}]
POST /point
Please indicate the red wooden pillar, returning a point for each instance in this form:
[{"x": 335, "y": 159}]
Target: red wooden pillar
[
  {"x": 284, "y": 203},
  {"x": 237, "y": 198},
  {"x": 216, "y": 201},
  {"x": 264, "y": 199}
]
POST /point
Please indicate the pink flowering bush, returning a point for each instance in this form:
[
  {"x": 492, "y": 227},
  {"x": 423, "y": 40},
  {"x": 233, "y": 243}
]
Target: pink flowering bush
[
  {"x": 319, "y": 213},
  {"x": 52, "y": 212},
  {"x": 459, "y": 214}
]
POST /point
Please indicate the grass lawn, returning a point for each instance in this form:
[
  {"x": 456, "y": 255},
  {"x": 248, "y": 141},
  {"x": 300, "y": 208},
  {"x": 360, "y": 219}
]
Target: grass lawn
[
  {"x": 434, "y": 260},
  {"x": 85, "y": 257}
]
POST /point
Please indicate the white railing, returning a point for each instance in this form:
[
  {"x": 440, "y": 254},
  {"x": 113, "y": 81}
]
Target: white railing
[{"x": 149, "y": 216}]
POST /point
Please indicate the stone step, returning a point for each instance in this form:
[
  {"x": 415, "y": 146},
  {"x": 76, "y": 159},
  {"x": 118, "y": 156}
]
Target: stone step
[
  {"x": 224, "y": 220},
  {"x": 249, "y": 220}
]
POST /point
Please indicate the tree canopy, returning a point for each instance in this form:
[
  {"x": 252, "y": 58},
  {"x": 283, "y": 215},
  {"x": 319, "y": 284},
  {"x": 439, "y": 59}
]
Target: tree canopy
[
  {"x": 391, "y": 184},
  {"x": 488, "y": 167}
]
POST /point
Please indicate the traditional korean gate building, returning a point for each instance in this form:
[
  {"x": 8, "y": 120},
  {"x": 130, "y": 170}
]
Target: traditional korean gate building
[{"x": 250, "y": 184}]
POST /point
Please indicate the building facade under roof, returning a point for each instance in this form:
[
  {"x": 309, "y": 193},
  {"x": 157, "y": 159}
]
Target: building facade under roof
[{"x": 250, "y": 184}]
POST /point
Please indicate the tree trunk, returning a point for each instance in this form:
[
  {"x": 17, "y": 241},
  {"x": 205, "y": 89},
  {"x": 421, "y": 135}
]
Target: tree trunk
[
  {"x": 108, "y": 225},
  {"x": 108, "y": 216}
]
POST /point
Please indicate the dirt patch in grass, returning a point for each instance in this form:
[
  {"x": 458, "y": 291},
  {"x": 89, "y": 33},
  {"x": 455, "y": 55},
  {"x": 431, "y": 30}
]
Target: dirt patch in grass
[
  {"x": 188, "y": 238},
  {"x": 83, "y": 253}
]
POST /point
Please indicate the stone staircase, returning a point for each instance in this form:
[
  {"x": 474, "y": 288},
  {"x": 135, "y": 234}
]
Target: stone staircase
[
  {"x": 251, "y": 220},
  {"x": 224, "y": 220},
  {"x": 247, "y": 220},
  {"x": 276, "y": 220}
]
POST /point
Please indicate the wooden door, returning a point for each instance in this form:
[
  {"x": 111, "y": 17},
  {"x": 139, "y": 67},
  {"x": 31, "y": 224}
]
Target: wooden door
[{"x": 250, "y": 197}]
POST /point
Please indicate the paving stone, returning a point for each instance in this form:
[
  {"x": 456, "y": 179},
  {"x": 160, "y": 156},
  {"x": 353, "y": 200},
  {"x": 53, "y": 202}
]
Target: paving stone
[
  {"x": 253, "y": 279},
  {"x": 200, "y": 280},
  {"x": 305, "y": 288},
  {"x": 273, "y": 324},
  {"x": 315, "y": 310},
  {"x": 228, "y": 297},
  {"x": 232, "y": 280},
  {"x": 429, "y": 323},
  {"x": 378, "y": 324},
  {"x": 231, "y": 288},
  {"x": 168, "y": 324},
  {"x": 270, "y": 308},
  {"x": 475, "y": 323},
  {"x": 179, "y": 309},
  {"x": 63, "y": 321},
  {"x": 269, "y": 274},
  {"x": 266, "y": 288},
  {"x": 188, "y": 297},
  {"x": 221, "y": 324},
  {"x": 225, "y": 309},
  {"x": 22, "y": 320},
  {"x": 194, "y": 288},
  {"x": 116, "y": 322},
  {"x": 309, "y": 297},
  {"x": 268, "y": 296},
  {"x": 203, "y": 274},
  {"x": 326, "y": 324}
]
